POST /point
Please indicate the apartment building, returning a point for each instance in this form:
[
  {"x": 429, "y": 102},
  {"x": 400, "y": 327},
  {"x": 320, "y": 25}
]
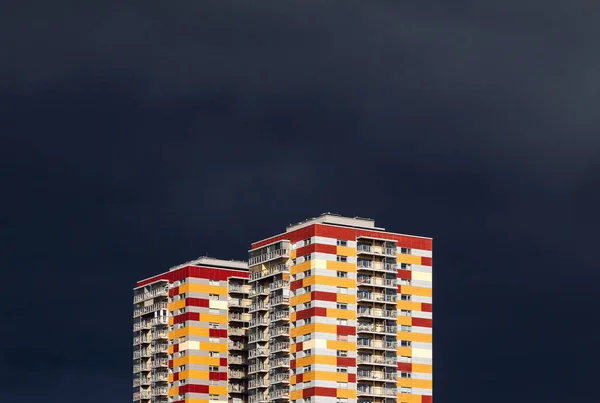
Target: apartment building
[{"x": 333, "y": 310}]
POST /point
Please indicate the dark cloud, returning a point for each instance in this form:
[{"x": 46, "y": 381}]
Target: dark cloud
[{"x": 135, "y": 138}]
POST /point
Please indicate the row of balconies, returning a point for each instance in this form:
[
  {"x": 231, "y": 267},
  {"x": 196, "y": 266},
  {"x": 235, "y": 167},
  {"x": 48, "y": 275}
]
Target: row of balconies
[
  {"x": 375, "y": 297},
  {"x": 151, "y": 308},
  {"x": 142, "y": 352},
  {"x": 376, "y": 375},
  {"x": 377, "y": 344},
  {"x": 376, "y": 312},
  {"x": 377, "y": 266},
  {"x": 375, "y": 360},
  {"x": 372, "y": 328},
  {"x": 158, "y": 292},
  {"x": 377, "y": 281},
  {"x": 362, "y": 389},
  {"x": 265, "y": 257},
  {"x": 376, "y": 250},
  {"x": 270, "y": 271}
]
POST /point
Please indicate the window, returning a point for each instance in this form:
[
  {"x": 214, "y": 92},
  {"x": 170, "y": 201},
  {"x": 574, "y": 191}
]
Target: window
[
  {"x": 404, "y": 389},
  {"x": 341, "y": 258},
  {"x": 306, "y": 369},
  {"x": 342, "y": 369},
  {"x": 342, "y": 353},
  {"x": 405, "y": 251},
  {"x": 182, "y": 296},
  {"x": 213, "y": 340},
  {"x": 405, "y": 343},
  {"x": 405, "y": 375},
  {"x": 342, "y": 306},
  {"x": 342, "y": 385},
  {"x": 213, "y": 282},
  {"x": 213, "y": 296},
  {"x": 181, "y": 368},
  {"x": 293, "y": 261},
  {"x": 342, "y": 274},
  {"x": 306, "y": 289},
  {"x": 213, "y": 354},
  {"x": 214, "y": 311},
  {"x": 406, "y": 328},
  {"x": 405, "y": 359},
  {"x": 342, "y": 337},
  {"x": 182, "y": 281},
  {"x": 307, "y": 241},
  {"x": 341, "y": 242},
  {"x": 342, "y": 290},
  {"x": 183, "y": 339},
  {"x": 213, "y": 368},
  {"x": 308, "y": 336},
  {"x": 405, "y": 312},
  {"x": 307, "y": 257},
  {"x": 213, "y": 325},
  {"x": 214, "y": 397},
  {"x": 307, "y": 321},
  {"x": 182, "y": 353},
  {"x": 307, "y": 273},
  {"x": 308, "y": 353},
  {"x": 405, "y": 297},
  {"x": 404, "y": 266},
  {"x": 343, "y": 322}
]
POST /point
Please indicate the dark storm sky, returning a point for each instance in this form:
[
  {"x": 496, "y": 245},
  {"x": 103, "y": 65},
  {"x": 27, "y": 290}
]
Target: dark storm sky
[{"x": 137, "y": 136}]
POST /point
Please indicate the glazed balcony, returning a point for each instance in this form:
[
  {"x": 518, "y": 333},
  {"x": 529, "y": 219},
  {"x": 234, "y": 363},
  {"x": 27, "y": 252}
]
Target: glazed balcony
[
  {"x": 284, "y": 252},
  {"x": 376, "y": 360},
  {"x": 381, "y": 376},
  {"x": 258, "y": 352},
  {"x": 376, "y": 297},
  {"x": 376, "y": 266},
  {"x": 279, "y": 300},
  {"x": 374, "y": 328},
  {"x": 376, "y": 313},
  {"x": 258, "y": 368},
  {"x": 368, "y": 390},
  {"x": 376, "y": 250},
  {"x": 377, "y": 282},
  {"x": 236, "y": 345},
  {"x": 236, "y": 387},
  {"x": 279, "y": 331},
  {"x": 154, "y": 293},
  {"x": 268, "y": 272},
  {"x": 279, "y": 284}
]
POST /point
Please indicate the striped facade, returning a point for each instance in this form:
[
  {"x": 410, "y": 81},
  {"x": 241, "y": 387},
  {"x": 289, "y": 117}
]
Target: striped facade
[{"x": 334, "y": 310}]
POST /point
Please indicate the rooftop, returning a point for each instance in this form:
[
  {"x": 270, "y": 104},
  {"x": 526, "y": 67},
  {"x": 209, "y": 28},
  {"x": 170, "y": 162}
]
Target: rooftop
[
  {"x": 336, "y": 219},
  {"x": 214, "y": 262}
]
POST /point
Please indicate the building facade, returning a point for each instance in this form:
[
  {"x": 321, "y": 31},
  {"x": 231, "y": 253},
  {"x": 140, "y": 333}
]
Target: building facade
[{"x": 333, "y": 310}]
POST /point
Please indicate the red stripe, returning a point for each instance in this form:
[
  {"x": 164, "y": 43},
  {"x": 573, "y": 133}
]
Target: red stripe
[
  {"x": 209, "y": 273},
  {"x": 173, "y": 292},
  {"x": 294, "y": 285},
  {"x": 293, "y": 363},
  {"x": 191, "y": 388},
  {"x": 324, "y": 296},
  {"x": 405, "y": 274},
  {"x": 319, "y": 391},
  {"x": 299, "y": 378},
  {"x": 223, "y": 362},
  {"x": 310, "y": 312},
  {"x": 351, "y": 378},
  {"x": 426, "y": 399},
  {"x": 300, "y": 346},
  {"x": 201, "y": 302},
  {"x": 426, "y": 307},
  {"x": 422, "y": 322},
  {"x": 217, "y": 332},
  {"x": 426, "y": 261},
  {"x": 346, "y": 362},
  {"x": 346, "y": 330},
  {"x": 405, "y": 366},
  {"x": 186, "y": 316}
]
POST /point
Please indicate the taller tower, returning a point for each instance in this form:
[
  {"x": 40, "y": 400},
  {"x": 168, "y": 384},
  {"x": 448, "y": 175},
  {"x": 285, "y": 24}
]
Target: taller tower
[{"x": 341, "y": 313}]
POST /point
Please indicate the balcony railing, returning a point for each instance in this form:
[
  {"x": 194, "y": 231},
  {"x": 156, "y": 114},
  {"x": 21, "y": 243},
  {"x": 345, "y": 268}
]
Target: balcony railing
[
  {"x": 279, "y": 315},
  {"x": 259, "y": 306},
  {"x": 144, "y": 352},
  {"x": 259, "y": 291},
  {"x": 161, "y": 362},
  {"x": 160, "y": 377},
  {"x": 257, "y": 383},
  {"x": 257, "y": 398},
  {"x": 280, "y": 377},
  {"x": 236, "y": 331},
  {"x": 376, "y": 391},
  {"x": 279, "y": 331},
  {"x": 141, "y": 340},
  {"x": 160, "y": 334},
  {"x": 160, "y": 391},
  {"x": 236, "y": 345},
  {"x": 239, "y": 302},
  {"x": 257, "y": 336},
  {"x": 236, "y": 387},
  {"x": 160, "y": 320},
  {"x": 377, "y": 282},
  {"x": 237, "y": 374},
  {"x": 279, "y": 362},
  {"x": 375, "y": 297},
  {"x": 142, "y": 325},
  {"x": 141, "y": 368},
  {"x": 275, "y": 285},
  {"x": 160, "y": 348},
  {"x": 277, "y": 347},
  {"x": 243, "y": 289},
  {"x": 363, "y": 327},
  {"x": 239, "y": 317},
  {"x": 262, "y": 321},
  {"x": 265, "y": 257},
  {"x": 377, "y": 250},
  {"x": 377, "y": 266},
  {"x": 144, "y": 394},
  {"x": 257, "y": 368},
  {"x": 150, "y": 308},
  {"x": 258, "y": 352},
  {"x": 280, "y": 299},
  {"x": 236, "y": 360},
  {"x": 279, "y": 393},
  {"x": 376, "y": 375},
  {"x": 377, "y": 344},
  {"x": 158, "y": 292},
  {"x": 378, "y": 313},
  {"x": 376, "y": 360},
  {"x": 144, "y": 381},
  {"x": 280, "y": 268}
]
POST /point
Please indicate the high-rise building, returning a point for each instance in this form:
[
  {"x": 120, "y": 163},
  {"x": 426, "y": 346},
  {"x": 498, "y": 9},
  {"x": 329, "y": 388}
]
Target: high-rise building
[{"x": 333, "y": 310}]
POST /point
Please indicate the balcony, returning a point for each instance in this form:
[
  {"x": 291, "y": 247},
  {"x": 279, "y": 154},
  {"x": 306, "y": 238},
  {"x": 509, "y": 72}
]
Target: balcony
[
  {"x": 376, "y": 250},
  {"x": 283, "y": 362},
  {"x": 160, "y": 334},
  {"x": 160, "y": 391},
  {"x": 237, "y": 374},
  {"x": 279, "y": 347},
  {"x": 376, "y": 297},
  {"x": 376, "y": 266},
  {"x": 160, "y": 320},
  {"x": 268, "y": 256},
  {"x": 255, "y": 368},
  {"x": 259, "y": 306},
  {"x": 372, "y": 328},
  {"x": 279, "y": 300},
  {"x": 376, "y": 376},
  {"x": 376, "y": 360},
  {"x": 144, "y": 352},
  {"x": 279, "y": 315},
  {"x": 160, "y": 363},
  {"x": 142, "y": 395},
  {"x": 160, "y": 377},
  {"x": 143, "y": 381},
  {"x": 257, "y": 398},
  {"x": 141, "y": 340},
  {"x": 239, "y": 317},
  {"x": 376, "y": 344},
  {"x": 271, "y": 271},
  {"x": 236, "y": 331},
  {"x": 239, "y": 288},
  {"x": 377, "y": 282},
  {"x": 279, "y": 393},
  {"x": 279, "y": 284},
  {"x": 142, "y": 368},
  {"x": 236, "y": 345},
  {"x": 158, "y": 292},
  {"x": 148, "y": 309},
  {"x": 160, "y": 348},
  {"x": 236, "y": 387},
  {"x": 369, "y": 390},
  {"x": 239, "y": 302},
  {"x": 256, "y": 291},
  {"x": 260, "y": 321},
  {"x": 376, "y": 313},
  {"x": 257, "y": 383},
  {"x": 279, "y": 377},
  {"x": 142, "y": 325},
  {"x": 279, "y": 331},
  {"x": 258, "y": 352},
  {"x": 236, "y": 360},
  {"x": 258, "y": 336}
]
